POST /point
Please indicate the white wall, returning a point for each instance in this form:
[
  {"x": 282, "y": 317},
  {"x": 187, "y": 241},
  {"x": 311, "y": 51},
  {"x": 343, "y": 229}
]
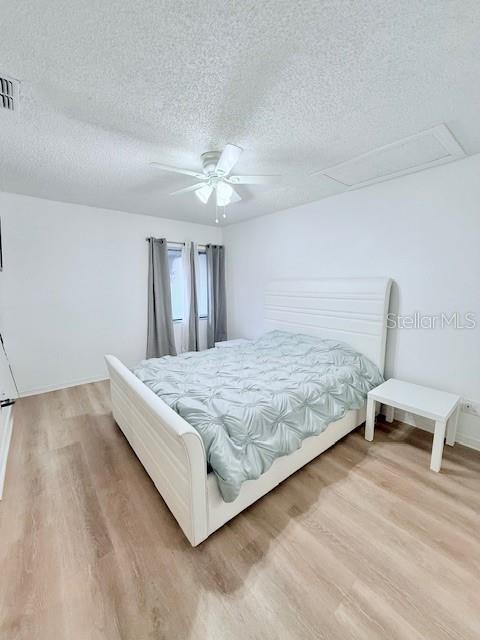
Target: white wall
[
  {"x": 422, "y": 230},
  {"x": 74, "y": 287}
]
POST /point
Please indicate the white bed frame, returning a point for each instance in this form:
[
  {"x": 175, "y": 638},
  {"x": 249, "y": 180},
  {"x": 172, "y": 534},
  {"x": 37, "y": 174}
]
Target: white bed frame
[{"x": 353, "y": 310}]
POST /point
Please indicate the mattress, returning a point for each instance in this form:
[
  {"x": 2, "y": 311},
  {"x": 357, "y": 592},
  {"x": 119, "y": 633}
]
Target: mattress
[{"x": 258, "y": 401}]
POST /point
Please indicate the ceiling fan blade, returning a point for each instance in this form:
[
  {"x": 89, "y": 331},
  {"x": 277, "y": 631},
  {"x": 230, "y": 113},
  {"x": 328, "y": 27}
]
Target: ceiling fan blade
[
  {"x": 187, "y": 172},
  {"x": 228, "y": 159},
  {"x": 204, "y": 193},
  {"x": 254, "y": 179},
  {"x": 193, "y": 187}
]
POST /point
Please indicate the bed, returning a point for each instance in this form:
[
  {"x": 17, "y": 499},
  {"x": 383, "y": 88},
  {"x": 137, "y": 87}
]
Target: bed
[{"x": 349, "y": 310}]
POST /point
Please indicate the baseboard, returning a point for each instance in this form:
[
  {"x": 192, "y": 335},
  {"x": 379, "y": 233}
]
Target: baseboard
[
  {"x": 468, "y": 441},
  {"x": 57, "y": 387},
  {"x": 5, "y": 437},
  {"x": 427, "y": 425}
]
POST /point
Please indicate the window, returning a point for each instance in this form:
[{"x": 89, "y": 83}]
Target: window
[
  {"x": 202, "y": 293},
  {"x": 177, "y": 284}
]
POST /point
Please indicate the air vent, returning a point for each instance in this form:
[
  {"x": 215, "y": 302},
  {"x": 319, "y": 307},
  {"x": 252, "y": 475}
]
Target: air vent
[
  {"x": 8, "y": 93},
  {"x": 423, "y": 150}
]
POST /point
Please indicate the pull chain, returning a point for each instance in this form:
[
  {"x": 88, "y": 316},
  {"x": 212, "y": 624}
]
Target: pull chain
[{"x": 224, "y": 214}]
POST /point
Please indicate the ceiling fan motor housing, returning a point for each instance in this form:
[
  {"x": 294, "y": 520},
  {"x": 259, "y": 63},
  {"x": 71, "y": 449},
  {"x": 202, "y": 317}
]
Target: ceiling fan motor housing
[{"x": 209, "y": 161}]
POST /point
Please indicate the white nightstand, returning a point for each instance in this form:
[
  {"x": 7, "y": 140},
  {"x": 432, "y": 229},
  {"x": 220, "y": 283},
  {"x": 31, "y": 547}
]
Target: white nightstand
[
  {"x": 439, "y": 406},
  {"x": 230, "y": 343}
]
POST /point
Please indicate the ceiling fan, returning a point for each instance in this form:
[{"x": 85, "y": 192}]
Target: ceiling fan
[{"x": 216, "y": 176}]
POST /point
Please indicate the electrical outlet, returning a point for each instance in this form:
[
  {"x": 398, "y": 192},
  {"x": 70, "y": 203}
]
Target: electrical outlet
[{"x": 471, "y": 407}]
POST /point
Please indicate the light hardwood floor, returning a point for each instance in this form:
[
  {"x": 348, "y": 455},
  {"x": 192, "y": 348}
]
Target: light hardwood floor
[{"x": 365, "y": 542}]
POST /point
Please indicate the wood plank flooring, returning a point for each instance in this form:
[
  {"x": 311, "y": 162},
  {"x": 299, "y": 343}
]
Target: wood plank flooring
[{"x": 365, "y": 542}]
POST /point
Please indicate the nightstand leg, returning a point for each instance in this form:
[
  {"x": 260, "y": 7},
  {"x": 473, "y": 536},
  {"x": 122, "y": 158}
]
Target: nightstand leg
[
  {"x": 452, "y": 426},
  {"x": 389, "y": 413},
  {"x": 370, "y": 421},
  {"x": 437, "y": 449}
]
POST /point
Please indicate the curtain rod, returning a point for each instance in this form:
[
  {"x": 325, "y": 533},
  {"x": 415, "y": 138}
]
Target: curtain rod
[
  {"x": 180, "y": 243},
  {"x": 168, "y": 241}
]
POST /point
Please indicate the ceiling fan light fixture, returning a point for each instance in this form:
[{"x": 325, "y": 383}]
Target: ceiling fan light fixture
[
  {"x": 204, "y": 193},
  {"x": 224, "y": 194}
]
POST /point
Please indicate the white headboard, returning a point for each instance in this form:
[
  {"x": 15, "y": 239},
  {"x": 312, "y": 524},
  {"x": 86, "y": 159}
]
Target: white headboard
[{"x": 353, "y": 310}]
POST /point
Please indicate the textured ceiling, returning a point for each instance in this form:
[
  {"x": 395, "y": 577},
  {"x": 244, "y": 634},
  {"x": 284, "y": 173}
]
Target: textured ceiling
[{"x": 111, "y": 85}]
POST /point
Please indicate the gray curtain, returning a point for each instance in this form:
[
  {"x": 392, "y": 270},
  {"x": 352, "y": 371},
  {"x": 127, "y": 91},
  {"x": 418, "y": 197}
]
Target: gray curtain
[
  {"x": 160, "y": 337},
  {"x": 217, "y": 304},
  {"x": 193, "y": 315}
]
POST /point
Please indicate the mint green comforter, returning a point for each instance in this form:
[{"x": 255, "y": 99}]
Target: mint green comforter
[{"x": 257, "y": 401}]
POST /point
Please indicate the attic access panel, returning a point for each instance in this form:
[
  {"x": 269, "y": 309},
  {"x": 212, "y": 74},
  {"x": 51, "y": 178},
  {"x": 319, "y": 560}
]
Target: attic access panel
[{"x": 423, "y": 150}]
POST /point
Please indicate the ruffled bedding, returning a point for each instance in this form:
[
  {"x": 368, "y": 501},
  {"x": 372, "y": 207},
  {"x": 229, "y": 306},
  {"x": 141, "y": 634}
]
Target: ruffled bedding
[{"x": 257, "y": 401}]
